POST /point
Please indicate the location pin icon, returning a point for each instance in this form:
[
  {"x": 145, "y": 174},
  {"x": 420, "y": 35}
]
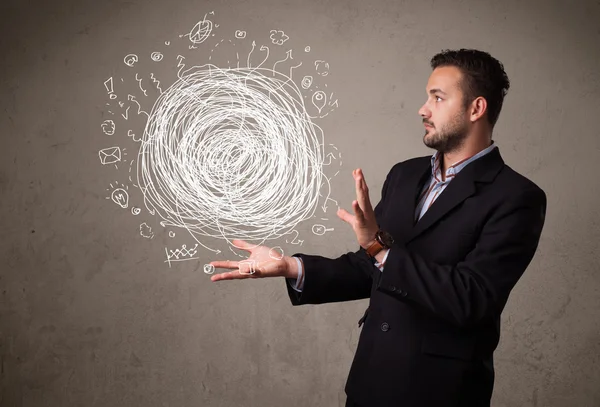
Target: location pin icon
[{"x": 318, "y": 100}]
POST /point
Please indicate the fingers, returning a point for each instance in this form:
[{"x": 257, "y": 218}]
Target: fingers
[
  {"x": 225, "y": 264},
  {"x": 362, "y": 191},
  {"x": 345, "y": 216},
  {"x": 229, "y": 275},
  {"x": 358, "y": 212},
  {"x": 243, "y": 245}
]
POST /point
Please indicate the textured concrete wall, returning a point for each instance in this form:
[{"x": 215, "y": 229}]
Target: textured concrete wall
[{"x": 91, "y": 315}]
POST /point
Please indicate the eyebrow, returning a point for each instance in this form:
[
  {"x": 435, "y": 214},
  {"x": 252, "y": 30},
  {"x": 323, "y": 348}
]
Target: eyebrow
[{"x": 432, "y": 91}]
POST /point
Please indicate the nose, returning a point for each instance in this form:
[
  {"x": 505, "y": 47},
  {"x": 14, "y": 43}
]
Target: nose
[{"x": 424, "y": 112}]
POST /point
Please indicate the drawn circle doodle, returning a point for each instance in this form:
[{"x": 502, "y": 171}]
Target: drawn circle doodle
[
  {"x": 171, "y": 234},
  {"x": 209, "y": 268},
  {"x": 156, "y": 56},
  {"x": 130, "y": 60},
  {"x": 108, "y": 127},
  {"x": 232, "y": 153},
  {"x": 276, "y": 253},
  {"x": 307, "y": 49},
  {"x": 136, "y": 211},
  {"x": 307, "y": 81},
  {"x": 240, "y": 34}
]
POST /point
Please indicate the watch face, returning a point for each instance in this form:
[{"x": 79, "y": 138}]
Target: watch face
[{"x": 385, "y": 238}]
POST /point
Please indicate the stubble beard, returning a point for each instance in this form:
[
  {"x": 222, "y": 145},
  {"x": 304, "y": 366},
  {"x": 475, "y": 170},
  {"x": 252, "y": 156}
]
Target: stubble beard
[{"x": 449, "y": 137}]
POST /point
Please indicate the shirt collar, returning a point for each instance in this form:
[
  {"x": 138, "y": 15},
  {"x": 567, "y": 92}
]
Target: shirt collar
[{"x": 455, "y": 168}]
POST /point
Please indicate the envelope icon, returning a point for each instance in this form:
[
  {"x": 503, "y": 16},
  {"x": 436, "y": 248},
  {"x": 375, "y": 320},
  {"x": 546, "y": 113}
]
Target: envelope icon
[{"x": 110, "y": 155}]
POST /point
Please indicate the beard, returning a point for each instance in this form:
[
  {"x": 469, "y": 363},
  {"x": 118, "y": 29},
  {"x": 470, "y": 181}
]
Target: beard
[{"x": 449, "y": 137}]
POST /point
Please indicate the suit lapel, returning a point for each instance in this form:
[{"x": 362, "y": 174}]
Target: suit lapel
[{"x": 483, "y": 169}]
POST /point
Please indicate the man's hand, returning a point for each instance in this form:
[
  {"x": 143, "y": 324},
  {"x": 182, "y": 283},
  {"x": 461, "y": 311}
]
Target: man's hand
[
  {"x": 263, "y": 262},
  {"x": 363, "y": 221}
]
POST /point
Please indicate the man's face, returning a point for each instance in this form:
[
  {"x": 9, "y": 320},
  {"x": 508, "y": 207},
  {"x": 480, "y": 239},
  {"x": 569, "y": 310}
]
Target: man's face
[{"x": 444, "y": 114}]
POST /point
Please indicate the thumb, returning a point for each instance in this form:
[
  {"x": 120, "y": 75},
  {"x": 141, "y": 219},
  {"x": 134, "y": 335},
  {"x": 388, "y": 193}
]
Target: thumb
[
  {"x": 243, "y": 245},
  {"x": 345, "y": 216}
]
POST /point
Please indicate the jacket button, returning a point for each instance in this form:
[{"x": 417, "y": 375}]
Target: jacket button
[
  {"x": 393, "y": 288},
  {"x": 385, "y": 327},
  {"x": 403, "y": 293}
]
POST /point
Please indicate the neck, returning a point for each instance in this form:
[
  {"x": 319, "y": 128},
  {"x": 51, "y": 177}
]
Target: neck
[{"x": 464, "y": 152}]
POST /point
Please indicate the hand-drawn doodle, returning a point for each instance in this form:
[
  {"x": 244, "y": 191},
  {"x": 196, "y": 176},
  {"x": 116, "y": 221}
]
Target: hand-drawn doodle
[
  {"x": 156, "y": 56},
  {"x": 320, "y": 230},
  {"x": 108, "y": 84},
  {"x": 108, "y": 127},
  {"x": 247, "y": 266},
  {"x": 322, "y": 68},
  {"x": 276, "y": 253},
  {"x": 183, "y": 254},
  {"x": 319, "y": 100},
  {"x": 130, "y": 60},
  {"x": 306, "y": 82},
  {"x": 192, "y": 168},
  {"x": 146, "y": 231},
  {"x": 120, "y": 196},
  {"x": 209, "y": 268},
  {"x": 110, "y": 155},
  {"x": 222, "y": 188},
  {"x": 278, "y": 37},
  {"x": 200, "y": 32}
]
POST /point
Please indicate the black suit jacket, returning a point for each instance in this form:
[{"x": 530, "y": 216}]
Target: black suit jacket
[{"x": 433, "y": 319}]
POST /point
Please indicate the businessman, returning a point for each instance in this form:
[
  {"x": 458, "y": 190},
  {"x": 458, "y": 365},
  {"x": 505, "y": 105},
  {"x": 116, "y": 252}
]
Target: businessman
[{"x": 439, "y": 254}]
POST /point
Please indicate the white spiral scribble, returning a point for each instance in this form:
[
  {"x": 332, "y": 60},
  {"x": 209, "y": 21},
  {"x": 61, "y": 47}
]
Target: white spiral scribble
[{"x": 232, "y": 153}]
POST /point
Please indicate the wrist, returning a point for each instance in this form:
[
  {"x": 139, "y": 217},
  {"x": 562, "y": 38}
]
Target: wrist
[{"x": 291, "y": 268}]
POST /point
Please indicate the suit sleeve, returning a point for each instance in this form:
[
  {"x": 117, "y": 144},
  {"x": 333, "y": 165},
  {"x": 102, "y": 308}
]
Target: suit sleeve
[
  {"x": 346, "y": 278},
  {"x": 479, "y": 286}
]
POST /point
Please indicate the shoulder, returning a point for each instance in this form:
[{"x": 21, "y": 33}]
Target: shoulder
[
  {"x": 409, "y": 165},
  {"x": 517, "y": 186}
]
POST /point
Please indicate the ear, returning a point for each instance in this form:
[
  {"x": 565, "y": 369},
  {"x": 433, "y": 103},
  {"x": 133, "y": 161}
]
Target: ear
[{"x": 478, "y": 108}]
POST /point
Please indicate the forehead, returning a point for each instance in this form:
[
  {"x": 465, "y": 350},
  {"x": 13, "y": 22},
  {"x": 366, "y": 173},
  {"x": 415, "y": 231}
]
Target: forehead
[{"x": 445, "y": 78}]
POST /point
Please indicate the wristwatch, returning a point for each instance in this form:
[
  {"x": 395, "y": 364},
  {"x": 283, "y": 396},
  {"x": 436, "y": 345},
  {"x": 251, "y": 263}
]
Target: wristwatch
[{"x": 383, "y": 240}]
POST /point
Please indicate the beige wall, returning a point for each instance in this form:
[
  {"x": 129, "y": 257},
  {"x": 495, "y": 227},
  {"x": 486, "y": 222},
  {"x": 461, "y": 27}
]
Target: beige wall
[{"x": 90, "y": 315}]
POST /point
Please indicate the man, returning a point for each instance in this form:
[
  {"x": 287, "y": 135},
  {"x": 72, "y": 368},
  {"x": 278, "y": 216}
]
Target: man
[{"x": 438, "y": 256}]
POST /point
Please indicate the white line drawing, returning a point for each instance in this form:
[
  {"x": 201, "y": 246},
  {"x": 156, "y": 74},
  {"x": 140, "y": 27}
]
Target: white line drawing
[
  {"x": 119, "y": 195},
  {"x": 278, "y": 37},
  {"x": 171, "y": 234},
  {"x": 209, "y": 268},
  {"x": 133, "y": 99},
  {"x": 240, "y": 34},
  {"x": 108, "y": 84},
  {"x": 108, "y": 127},
  {"x": 180, "y": 65},
  {"x": 295, "y": 239},
  {"x": 167, "y": 43},
  {"x": 135, "y": 211},
  {"x": 146, "y": 231},
  {"x": 154, "y": 80},
  {"x": 131, "y": 134},
  {"x": 322, "y": 67},
  {"x": 320, "y": 230},
  {"x": 183, "y": 254},
  {"x": 110, "y": 155},
  {"x": 200, "y": 32},
  {"x": 156, "y": 56},
  {"x": 194, "y": 171},
  {"x": 319, "y": 100},
  {"x": 130, "y": 60},
  {"x": 247, "y": 267},
  {"x": 307, "y": 48},
  {"x": 126, "y": 115},
  {"x": 331, "y": 157},
  {"x": 306, "y": 82},
  {"x": 276, "y": 253},
  {"x": 288, "y": 55},
  {"x": 140, "y": 83}
]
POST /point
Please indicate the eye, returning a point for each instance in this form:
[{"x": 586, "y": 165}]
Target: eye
[{"x": 438, "y": 99}]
